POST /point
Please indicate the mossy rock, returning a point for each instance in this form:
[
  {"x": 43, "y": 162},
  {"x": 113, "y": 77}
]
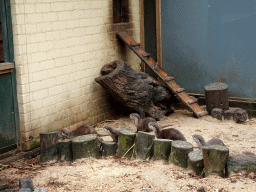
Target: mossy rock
[
  {"x": 162, "y": 149},
  {"x": 215, "y": 159},
  {"x": 196, "y": 161},
  {"x": 144, "y": 145},
  {"x": 126, "y": 140},
  {"x": 179, "y": 153},
  {"x": 86, "y": 146}
]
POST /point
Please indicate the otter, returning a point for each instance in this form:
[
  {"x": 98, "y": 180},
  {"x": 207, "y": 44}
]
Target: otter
[
  {"x": 171, "y": 133},
  {"x": 201, "y": 142},
  {"x": 112, "y": 132},
  {"x": 141, "y": 124},
  {"x": 83, "y": 130}
]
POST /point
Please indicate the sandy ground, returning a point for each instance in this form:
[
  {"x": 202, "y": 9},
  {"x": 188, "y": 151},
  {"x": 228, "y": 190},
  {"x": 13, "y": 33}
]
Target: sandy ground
[{"x": 116, "y": 174}]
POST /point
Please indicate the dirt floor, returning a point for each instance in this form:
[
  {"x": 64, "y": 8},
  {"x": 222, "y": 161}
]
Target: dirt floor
[{"x": 116, "y": 174}]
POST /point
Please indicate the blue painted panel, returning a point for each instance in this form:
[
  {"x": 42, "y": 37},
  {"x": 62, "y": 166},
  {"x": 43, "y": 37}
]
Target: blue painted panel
[{"x": 207, "y": 41}]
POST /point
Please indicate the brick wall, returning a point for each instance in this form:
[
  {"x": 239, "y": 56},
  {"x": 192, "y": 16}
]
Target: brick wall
[{"x": 60, "y": 47}]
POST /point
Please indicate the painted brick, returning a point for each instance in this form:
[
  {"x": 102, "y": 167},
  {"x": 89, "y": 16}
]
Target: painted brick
[{"x": 60, "y": 47}]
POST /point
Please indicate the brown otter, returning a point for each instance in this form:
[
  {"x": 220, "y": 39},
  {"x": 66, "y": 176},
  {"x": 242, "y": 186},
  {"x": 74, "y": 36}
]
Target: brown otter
[
  {"x": 201, "y": 142},
  {"x": 141, "y": 124},
  {"x": 83, "y": 130},
  {"x": 171, "y": 133},
  {"x": 112, "y": 132}
]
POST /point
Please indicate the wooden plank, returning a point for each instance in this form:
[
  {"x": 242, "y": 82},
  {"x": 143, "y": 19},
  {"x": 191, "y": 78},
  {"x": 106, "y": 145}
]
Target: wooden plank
[{"x": 172, "y": 85}]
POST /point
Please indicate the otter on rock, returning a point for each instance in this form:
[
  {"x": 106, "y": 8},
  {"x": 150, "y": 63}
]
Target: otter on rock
[
  {"x": 201, "y": 142},
  {"x": 112, "y": 132},
  {"x": 171, "y": 133},
  {"x": 141, "y": 124},
  {"x": 83, "y": 130}
]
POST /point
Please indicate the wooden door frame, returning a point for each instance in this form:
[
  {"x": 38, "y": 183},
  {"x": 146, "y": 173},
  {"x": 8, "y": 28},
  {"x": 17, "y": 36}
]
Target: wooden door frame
[
  {"x": 158, "y": 31},
  {"x": 7, "y": 35}
]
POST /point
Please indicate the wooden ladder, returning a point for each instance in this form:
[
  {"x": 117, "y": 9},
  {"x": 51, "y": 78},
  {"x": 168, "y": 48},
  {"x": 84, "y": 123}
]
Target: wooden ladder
[{"x": 169, "y": 80}]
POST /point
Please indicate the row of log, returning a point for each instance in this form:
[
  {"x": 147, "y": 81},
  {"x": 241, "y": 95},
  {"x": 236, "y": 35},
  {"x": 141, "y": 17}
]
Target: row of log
[{"x": 209, "y": 160}]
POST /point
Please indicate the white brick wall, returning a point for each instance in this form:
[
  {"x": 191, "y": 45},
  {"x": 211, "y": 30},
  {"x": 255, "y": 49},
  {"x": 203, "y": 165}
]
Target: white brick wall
[{"x": 60, "y": 47}]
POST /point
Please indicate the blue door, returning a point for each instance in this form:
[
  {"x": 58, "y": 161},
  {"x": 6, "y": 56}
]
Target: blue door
[{"x": 207, "y": 41}]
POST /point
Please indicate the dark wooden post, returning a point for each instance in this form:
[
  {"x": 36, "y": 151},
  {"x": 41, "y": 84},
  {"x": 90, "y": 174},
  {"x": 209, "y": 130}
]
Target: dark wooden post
[
  {"x": 216, "y": 96},
  {"x": 49, "y": 146}
]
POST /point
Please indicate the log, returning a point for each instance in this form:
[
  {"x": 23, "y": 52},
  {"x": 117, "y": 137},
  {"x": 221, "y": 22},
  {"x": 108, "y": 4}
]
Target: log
[
  {"x": 85, "y": 146},
  {"x": 49, "y": 146},
  {"x": 136, "y": 90},
  {"x": 215, "y": 159},
  {"x": 162, "y": 149},
  {"x": 108, "y": 148},
  {"x": 125, "y": 143},
  {"x": 144, "y": 145},
  {"x": 196, "y": 161},
  {"x": 240, "y": 116},
  {"x": 179, "y": 153},
  {"x": 216, "y": 96},
  {"x": 65, "y": 150}
]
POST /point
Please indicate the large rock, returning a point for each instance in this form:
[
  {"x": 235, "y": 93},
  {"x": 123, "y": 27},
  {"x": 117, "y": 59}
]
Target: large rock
[{"x": 245, "y": 161}]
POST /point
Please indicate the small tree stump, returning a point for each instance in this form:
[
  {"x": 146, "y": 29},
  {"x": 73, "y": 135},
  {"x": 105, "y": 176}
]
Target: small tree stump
[
  {"x": 216, "y": 96},
  {"x": 49, "y": 146},
  {"x": 85, "y": 146},
  {"x": 125, "y": 142},
  {"x": 217, "y": 113},
  {"x": 144, "y": 145},
  {"x": 65, "y": 150},
  {"x": 179, "y": 153},
  {"x": 215, "y": 159},
  {"x": 196, "y": 161},
  {"x": 162, "y": 149},
  {"x": 108, "y": 148},
  {"x": 240, "y": 116}
]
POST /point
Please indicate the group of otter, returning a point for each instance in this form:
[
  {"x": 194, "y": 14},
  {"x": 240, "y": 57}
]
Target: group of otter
[{"x": 143, "y": 124}]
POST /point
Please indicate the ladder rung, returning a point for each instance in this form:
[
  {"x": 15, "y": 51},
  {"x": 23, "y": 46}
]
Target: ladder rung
[
  {"x": 135, "y": 44},
  {"x": 169, "y": 78},
  {"x": 179, "y": 90},
  {"x": 190, "y": 102},
  {"x": 146, "y": 54},
  {"x": 202, "y": 113}
]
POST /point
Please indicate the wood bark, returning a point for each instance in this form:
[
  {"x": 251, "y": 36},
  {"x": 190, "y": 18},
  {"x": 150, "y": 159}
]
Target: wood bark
[
  {"x": 196, "y": 161},
  {"x": 86, "y": 146},
  {"x": 65, "y": 150},
  {"x": 49, "y": 146},
  {"x": 136, "y": 90},
  {"x": 126, "y": 140},
  {"x": 144, "y": 145},
  {"x": 108, "y": 148},
  {"x": 162, "y": 149},
  {"x": 179, "y": 153},
  {"x": 215, "y": 159}
]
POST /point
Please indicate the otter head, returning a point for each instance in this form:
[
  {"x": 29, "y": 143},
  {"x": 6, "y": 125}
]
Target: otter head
[
  {"x": 64, "y": 134},
  {"x": 155, "y": 127},
  {"x": 108, "y": 129},
  {"x": 199, "y": 140},
  {"x": 136, "y": 118}
]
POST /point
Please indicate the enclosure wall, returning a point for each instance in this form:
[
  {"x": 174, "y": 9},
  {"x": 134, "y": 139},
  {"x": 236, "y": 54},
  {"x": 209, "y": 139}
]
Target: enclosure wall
[{"x": 60, "y": 47}]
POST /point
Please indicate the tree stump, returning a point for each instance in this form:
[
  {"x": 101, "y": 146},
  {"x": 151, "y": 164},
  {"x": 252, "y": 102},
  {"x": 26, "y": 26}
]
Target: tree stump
[
  {"x": 109, "y": 148},
  {"x": 49, "y": 146},
  {"x": 162, "y": 149},
  {"x": 196, "y": 161},
  {"x": 215, "y": 159},
  {"x": 85, "y": 146},
  {"x": 240, "y": 116},
  {"x": 216, "y": 96},
  {"x": 144, "y": 145},
  {"x": 136, "y": 90},
  {"x": 65, "y": 150},
  {"x": 125, "y": 143},
  {"x": 179, "y": 153}
]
